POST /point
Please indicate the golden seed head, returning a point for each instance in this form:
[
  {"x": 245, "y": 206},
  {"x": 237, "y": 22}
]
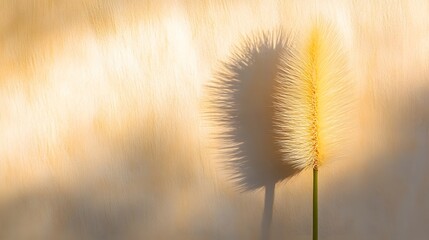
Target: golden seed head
[{"x": 313, "y": 98}]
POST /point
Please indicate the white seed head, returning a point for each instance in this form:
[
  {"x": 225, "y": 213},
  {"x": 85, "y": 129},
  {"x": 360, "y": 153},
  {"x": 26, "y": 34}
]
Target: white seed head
[{"x": 313, "y": 98}]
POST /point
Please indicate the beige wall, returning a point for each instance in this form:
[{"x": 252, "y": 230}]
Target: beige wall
[{"x": 104, "y": 135}]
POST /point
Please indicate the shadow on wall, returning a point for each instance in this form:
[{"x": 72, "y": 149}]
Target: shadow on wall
[{"x": 241, "y": 109}]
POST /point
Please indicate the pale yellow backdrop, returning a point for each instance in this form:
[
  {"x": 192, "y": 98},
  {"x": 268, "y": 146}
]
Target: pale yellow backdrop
[{"x": 103, "y": 132}]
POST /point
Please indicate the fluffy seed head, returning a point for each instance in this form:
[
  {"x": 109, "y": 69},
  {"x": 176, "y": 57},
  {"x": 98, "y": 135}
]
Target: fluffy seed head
[{"x": 313, "y": 99}]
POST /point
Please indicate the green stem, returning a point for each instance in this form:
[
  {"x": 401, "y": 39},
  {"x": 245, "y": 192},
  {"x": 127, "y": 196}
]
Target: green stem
[{"x": 315, "y": 202}]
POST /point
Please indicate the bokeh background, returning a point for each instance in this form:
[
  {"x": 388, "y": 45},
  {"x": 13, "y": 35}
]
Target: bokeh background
[{"x": 104, "y": 131}]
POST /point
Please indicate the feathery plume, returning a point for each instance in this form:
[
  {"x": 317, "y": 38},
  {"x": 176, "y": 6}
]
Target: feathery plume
[
  {"x": 313, "y": 98},
  {"x": 312, "y": 103}
]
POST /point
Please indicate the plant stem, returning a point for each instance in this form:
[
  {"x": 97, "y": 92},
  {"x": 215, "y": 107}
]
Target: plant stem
[{"x": 315, "y": 203}]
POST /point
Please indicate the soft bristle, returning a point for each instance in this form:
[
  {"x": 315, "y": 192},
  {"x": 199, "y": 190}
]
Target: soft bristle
[{"x": 313, "y": 98}]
